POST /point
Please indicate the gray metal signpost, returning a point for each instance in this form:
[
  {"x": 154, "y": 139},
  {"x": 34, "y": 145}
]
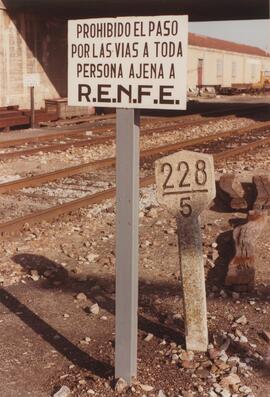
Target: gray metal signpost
[
  {"x": 127, "y": 209},
  {"x": 186, "y": 186}
]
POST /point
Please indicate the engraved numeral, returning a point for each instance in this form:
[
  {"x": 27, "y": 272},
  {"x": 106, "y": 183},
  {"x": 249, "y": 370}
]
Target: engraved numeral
[
  {"x": 186, "y": 209},
  {"x": 200, "y": 174},
  {"x": 185, "y": 167},
  {"x": 165, "y": 184}
]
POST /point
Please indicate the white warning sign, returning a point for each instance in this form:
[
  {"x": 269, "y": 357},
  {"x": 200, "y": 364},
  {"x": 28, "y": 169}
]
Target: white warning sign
[{"x": 128, "y": 62}]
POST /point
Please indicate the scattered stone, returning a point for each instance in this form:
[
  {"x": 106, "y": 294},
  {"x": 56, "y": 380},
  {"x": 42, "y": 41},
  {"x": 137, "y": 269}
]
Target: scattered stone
[
  {"x": 187, "y": 355},
  {"x": 202, "y": 373},
  {"x": 245, "y": 390},
  {"x": 90, "y": 391},
  {"x": 34, "y": 275},
  {"x": 230, "y": 380},
  {"x": 187, "y": 394},
  {"x": 63, "y": 392},
  {"x": 177, "y": 317},
  {"x": 81, "y": 297},
  {"x": 94, "y": 309},
  {"x": 217, "y": 387},
  {"x": 225, "y": 393},
  {"x": 235, "y": 295},
  {"x": 148, "y": 337},
  {"x": 146, "y": 387},
  {"x": 223, "y": 294},
  {"x": 223, "y": 357},
  {"x": 212, "y": 394},
  {"x": 120, "y": 385},
  {"x": 213, "y": 353},
  {"x": 104, "y": 318},
  {"x": 187, "y": 364},
  {"x": 233, "y": 360},
  {"x": 243, "y": 339},
  {"x": 92, "y": 257},
  {"x": 161, "y": 394},
  {"x": 153, "y": 213},
  {"x": 266, "y": 335},
  {"x": 241, "y": 320}
]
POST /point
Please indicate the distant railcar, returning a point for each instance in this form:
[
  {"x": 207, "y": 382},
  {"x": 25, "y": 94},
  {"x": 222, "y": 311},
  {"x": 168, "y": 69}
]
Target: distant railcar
[{"x": 225, "y": 67}]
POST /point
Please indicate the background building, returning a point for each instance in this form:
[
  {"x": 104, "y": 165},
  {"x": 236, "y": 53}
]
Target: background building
[{"x": 34, "y": 43}]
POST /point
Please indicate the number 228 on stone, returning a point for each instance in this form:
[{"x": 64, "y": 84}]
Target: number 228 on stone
[{"x": 185, "y": 182}]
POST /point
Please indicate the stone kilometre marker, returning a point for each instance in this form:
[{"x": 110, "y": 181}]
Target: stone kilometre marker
[{"x": 186, "y": 186}]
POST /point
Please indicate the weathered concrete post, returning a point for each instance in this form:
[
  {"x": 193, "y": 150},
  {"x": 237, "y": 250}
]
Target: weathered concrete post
[{"x": 186, "y": 186}]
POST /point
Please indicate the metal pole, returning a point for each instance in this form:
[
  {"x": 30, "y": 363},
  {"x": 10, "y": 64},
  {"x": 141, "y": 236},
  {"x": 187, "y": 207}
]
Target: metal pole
[
  {"x": 32, "y": 100},
  {"x": 127, "y": 209}
]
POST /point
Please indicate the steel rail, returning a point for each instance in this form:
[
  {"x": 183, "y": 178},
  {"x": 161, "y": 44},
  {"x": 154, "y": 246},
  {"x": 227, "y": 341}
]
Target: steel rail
[
  {"x": 177, "y": 124},
  {"x": 54, "y": 212},
  {"x": 90, "y": 142},
  {"x": 38, "y": 180}
]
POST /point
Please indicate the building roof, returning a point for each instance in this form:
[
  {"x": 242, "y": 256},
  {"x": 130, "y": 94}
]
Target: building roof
[{"x": 210, "y": 42}]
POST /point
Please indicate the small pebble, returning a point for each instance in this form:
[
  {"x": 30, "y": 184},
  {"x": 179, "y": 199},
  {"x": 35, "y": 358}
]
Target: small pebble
[
  {"x": 63, "y": 392},
  {"x": 94, "y": 309}
]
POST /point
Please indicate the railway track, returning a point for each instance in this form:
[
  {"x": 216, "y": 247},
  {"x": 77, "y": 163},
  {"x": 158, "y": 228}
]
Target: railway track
[
  {"x": 79, "y": 135},
  {"x": 38, "y": 180},
  {"x": 55, "y": 211}
]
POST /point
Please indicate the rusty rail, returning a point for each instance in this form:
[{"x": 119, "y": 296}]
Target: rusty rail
[
  {"x": 38, "y": 180},
  {"x": 54, "y": 212},
  {"x": 97, "y": 140}
]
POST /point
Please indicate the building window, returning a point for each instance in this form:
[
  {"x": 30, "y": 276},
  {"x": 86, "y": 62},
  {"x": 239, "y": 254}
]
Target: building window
[
  {"x": 234, "y": 70},
  {"x": 253, "y": 71},
  {"x": 219, "y": 68}
]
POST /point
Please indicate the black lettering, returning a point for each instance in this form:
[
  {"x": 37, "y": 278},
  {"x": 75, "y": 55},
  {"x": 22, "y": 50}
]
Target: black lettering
[
  {"x": 174, "y": 30},
  {"x": 121, "y": 89},
  {"x": 142, "y": 93},
  {"x": 85, "y": 30},
  {"x": 108, "y": 49},
  {"x": 79, "y": 69},
  {"x": 84, "y": 90},
  {"x": 79, "y": 30},
  {"x": 92, "y": 70},
  {"x": 159, "y": 29},
  {"x": 131, "y": 72},
  {"x": 145, "y": 50},
  {"x": 101, "y": 92},
  {"x": 151, "y": 27},
  {"x": 172, "y": 72},
  {"x": 166, "y": 28},
  {"x": 163, "y": 94},
  {"x": 180, "y": 51},
  {"x": 73, "y": 49},
  {"x": 136, "y": 29},
  {"x": 135, "y": 49}
]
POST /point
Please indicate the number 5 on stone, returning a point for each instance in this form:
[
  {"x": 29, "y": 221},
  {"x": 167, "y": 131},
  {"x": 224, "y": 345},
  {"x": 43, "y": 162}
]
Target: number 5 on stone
[{"x": 186, "y": 186}]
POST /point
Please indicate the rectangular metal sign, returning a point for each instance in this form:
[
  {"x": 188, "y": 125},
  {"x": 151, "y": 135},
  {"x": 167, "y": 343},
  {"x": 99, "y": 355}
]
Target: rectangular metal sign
[
  {"x": 31, "y": 80},
  {"x": 128, "y": 62}
]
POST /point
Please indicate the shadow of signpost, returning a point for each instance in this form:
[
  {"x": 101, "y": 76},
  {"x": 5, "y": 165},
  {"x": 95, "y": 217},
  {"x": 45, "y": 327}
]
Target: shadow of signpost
[
  {"x": 53, "y": 337},
  {"x": 95, "y": 289}
]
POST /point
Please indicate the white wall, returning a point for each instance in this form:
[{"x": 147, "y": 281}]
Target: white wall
[{"x": 248, "y": 67}]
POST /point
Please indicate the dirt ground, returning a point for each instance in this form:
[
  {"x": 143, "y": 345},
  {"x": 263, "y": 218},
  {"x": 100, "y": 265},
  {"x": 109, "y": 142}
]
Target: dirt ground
[
  {"x": 44, "y": 322},
  {"x": 51, "y": 335}
]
